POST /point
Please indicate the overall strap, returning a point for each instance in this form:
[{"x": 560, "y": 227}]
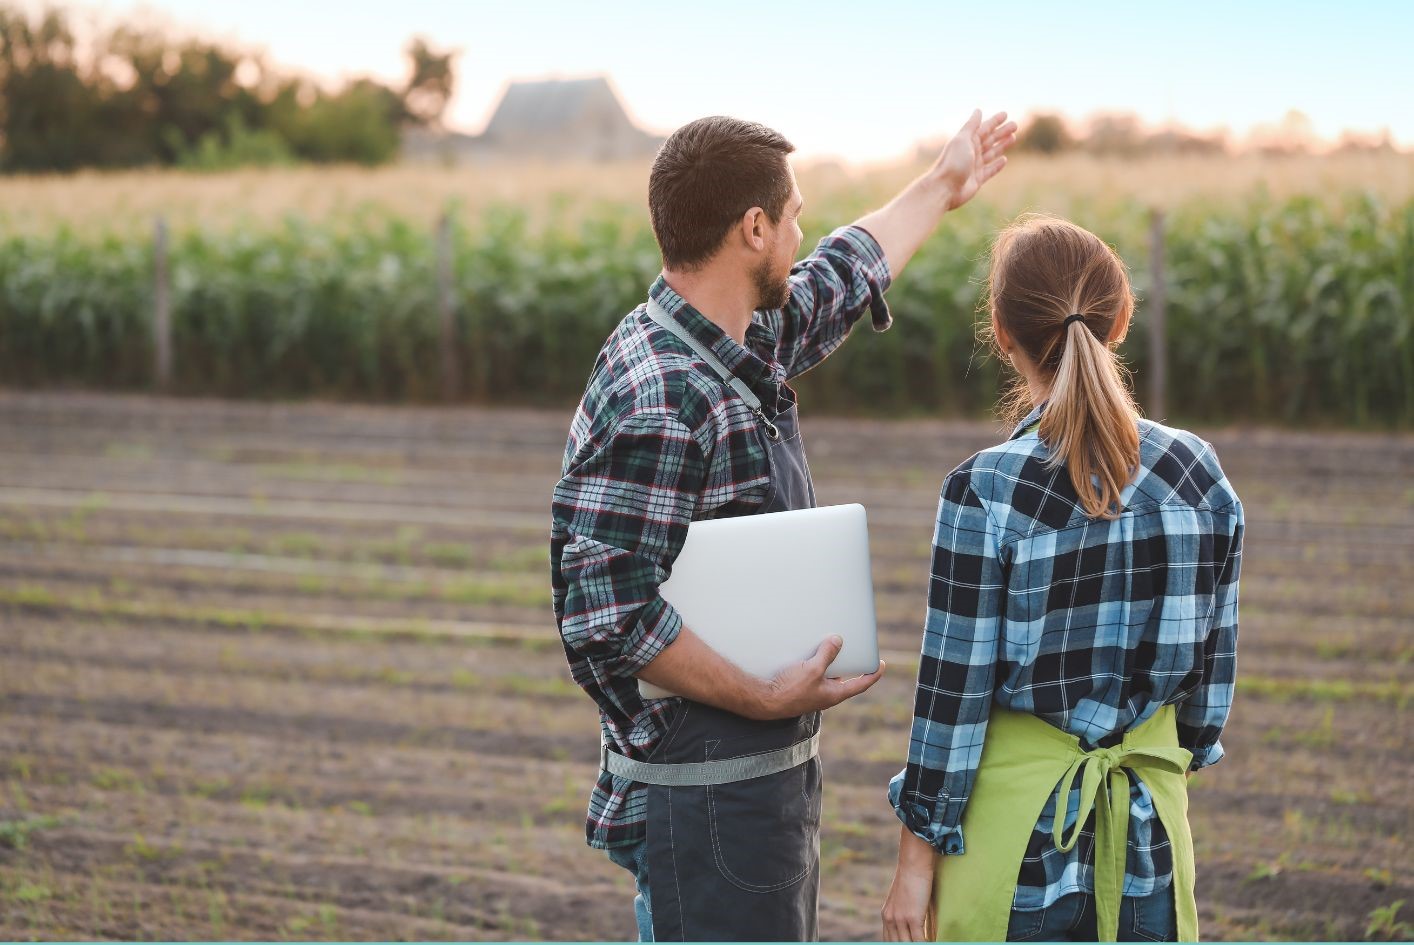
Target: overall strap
[{"x": 661, "y": 316}]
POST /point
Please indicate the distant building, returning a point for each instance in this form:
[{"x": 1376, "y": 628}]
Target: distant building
[{"x": 552, "y": 119}]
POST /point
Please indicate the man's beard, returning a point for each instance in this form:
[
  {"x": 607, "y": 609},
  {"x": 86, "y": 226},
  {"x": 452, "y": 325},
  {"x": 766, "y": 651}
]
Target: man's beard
[{"x": 771, "y": 292}]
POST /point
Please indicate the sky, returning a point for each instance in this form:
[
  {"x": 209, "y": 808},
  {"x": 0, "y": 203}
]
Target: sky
[{"x": 864, "y": 81}]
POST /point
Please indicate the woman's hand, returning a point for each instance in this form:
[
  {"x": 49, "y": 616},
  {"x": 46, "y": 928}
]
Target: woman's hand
[{"x": 907, "y": 913}]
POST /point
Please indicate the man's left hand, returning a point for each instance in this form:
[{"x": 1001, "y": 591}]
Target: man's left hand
[{"x": 973, "y": 156}]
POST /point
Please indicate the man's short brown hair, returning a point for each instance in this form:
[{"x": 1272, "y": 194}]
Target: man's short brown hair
[{"x": 706, "y": 175}]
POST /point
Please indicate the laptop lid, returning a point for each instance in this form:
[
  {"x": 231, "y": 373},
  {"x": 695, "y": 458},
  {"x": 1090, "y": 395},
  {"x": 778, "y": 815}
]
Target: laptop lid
[{"x": 764, "y": 590}]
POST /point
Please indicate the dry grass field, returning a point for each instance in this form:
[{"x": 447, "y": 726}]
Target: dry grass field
[
  {"x": 290, "y": 672},
  {"x": 127, "y": 201}
]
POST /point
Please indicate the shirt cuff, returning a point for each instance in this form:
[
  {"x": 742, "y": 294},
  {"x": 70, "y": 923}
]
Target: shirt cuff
[
  {"x": 922, "y": 823},
  {"x": 860, "y": 243},
  {"x": 658, "y": 625},
  {"x": 1205, "y": 756}
]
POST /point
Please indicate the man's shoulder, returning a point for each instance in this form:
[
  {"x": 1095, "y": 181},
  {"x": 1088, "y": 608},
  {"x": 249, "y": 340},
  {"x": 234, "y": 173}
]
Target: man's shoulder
[{"x": 639, "y": 374}]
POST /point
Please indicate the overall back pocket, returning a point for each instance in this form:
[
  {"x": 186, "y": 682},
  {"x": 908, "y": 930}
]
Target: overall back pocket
[{"x": 765, "y": 831}]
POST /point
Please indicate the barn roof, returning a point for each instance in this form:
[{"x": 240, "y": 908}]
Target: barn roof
[{"x": 547, "y": 106}]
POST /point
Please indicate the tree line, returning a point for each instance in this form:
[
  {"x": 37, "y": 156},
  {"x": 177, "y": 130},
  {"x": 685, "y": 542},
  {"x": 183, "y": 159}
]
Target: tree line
[
  {"x": 131, "y": 96},
  {"x": 1123, "y": 135}
]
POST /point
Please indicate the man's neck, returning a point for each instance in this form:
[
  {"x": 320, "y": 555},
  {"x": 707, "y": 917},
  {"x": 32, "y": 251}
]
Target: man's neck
[{"x": 724, "y": 301}]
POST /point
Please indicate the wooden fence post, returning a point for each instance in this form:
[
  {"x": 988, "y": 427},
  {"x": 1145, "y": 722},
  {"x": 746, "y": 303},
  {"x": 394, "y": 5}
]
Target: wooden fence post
[
  {"x": 446, "y": 308},
  {"x": 1158, "y": 332},
  {"x": 161, "y": 303}
]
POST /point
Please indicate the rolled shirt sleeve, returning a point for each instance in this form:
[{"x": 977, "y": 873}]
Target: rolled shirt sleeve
[
  {"x": 625, "y": 510},
  {"x": 957, "y": 669},
  {"x": 830, "y": 289},
  {"x": 929, "y": 822}
]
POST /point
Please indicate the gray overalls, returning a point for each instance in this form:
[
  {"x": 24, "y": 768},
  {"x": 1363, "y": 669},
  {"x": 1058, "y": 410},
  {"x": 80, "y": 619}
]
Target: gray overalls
[{"x": 738, "y": 860}]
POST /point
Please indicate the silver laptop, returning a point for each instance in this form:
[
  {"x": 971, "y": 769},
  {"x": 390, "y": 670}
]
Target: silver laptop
[{"x": 764, "y": 590}]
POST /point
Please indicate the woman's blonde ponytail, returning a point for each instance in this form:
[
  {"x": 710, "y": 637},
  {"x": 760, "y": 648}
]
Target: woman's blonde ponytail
[
  {"x": 1089, "y": 422},
  {"x": 1063, "y": 296}
]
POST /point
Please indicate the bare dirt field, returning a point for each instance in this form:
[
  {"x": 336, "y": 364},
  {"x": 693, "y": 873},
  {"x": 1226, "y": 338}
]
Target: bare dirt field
[{"x": 290, "y": 671}]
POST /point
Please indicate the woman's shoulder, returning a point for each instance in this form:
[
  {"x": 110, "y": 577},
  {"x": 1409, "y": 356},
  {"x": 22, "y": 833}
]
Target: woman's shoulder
[
  {"x": 1009, "y": 459},
  {"x": 992, "y": 473},
  {"x": 1166, "y": 436},
  {"x": 1179, "y": 464}
]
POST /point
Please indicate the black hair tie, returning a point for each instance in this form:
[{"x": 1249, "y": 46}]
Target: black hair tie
[{"x": 1077, "y": 317}]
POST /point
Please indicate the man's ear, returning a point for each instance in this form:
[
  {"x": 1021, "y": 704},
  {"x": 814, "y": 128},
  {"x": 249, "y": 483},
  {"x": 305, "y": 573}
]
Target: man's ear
[{"x": 753, "y": 229}]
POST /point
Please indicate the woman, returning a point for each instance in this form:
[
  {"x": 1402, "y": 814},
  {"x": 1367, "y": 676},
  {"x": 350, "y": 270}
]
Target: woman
[{"x": 1080, "y": 636}]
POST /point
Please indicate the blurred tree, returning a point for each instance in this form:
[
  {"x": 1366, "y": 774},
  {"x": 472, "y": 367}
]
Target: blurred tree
[
  {"x": 140, "y": 97},
  {"x": 1044, "y": 133},
  {"x": 179, "y": 93},
  {"x": 236, "y": 146},
  {"x": 430, "y": 86},
  {"x": 359, "y": 123},
  {"x": 47, "y": 110}
]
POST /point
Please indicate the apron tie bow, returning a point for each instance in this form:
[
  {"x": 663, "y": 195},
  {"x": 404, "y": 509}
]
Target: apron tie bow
[{"x": 1104, "y": 788}]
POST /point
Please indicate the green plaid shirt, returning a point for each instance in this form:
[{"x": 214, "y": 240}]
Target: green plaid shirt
[{"x": 660, "y": 441}]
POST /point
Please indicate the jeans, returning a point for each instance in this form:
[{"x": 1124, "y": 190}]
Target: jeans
[
  {"x": 1072, "y": 919},
  {"x": 635, "y": 860}
]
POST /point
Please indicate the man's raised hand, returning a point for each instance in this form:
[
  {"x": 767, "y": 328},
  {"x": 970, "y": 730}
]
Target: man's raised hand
[{"x": 973, "y": 156}]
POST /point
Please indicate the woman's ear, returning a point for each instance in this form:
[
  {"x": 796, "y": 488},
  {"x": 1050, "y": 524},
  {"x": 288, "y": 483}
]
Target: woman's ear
[
  {"x": 1003, "y": 339},
  {"x": 1120, "y": 328}
]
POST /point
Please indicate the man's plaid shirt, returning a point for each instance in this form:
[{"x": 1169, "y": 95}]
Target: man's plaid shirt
[
  {"x": 1089, "y": 624},
  {"x": 659, "y": 441}
]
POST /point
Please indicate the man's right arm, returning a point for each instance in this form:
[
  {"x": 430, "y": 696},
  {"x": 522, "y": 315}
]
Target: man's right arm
[
  {"x": 626, "y": 509},
  {"x": 691, "y": 668}
]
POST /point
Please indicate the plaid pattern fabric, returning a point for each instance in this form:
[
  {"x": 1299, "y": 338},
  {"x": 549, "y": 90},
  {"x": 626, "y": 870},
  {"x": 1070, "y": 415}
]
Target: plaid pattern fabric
[
  {"x": 659, "y": 441},
  {"x": 1091, "y": 625}
]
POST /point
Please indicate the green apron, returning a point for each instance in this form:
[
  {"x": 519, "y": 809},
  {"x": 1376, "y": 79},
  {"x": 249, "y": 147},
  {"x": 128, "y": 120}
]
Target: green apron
[{"x": 1024, "y": 761}]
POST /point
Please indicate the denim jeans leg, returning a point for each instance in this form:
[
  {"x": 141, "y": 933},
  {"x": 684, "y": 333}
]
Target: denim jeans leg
[
  {"x": 635, "y": 860},
  {"x": 1051, "y": 924},
  {"x": 1149, "y": 918},
  {"x": 1071, "y": 918}
]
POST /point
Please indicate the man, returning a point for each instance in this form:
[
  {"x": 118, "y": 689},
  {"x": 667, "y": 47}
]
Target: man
[{"x": 688, "y": 415}]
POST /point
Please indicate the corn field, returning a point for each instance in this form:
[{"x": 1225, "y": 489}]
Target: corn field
[{"x": 1280, "y": 308}]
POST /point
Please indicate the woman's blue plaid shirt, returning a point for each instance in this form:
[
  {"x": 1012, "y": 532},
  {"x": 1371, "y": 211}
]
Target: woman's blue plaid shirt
[{"x": 1089, "y": 624}]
